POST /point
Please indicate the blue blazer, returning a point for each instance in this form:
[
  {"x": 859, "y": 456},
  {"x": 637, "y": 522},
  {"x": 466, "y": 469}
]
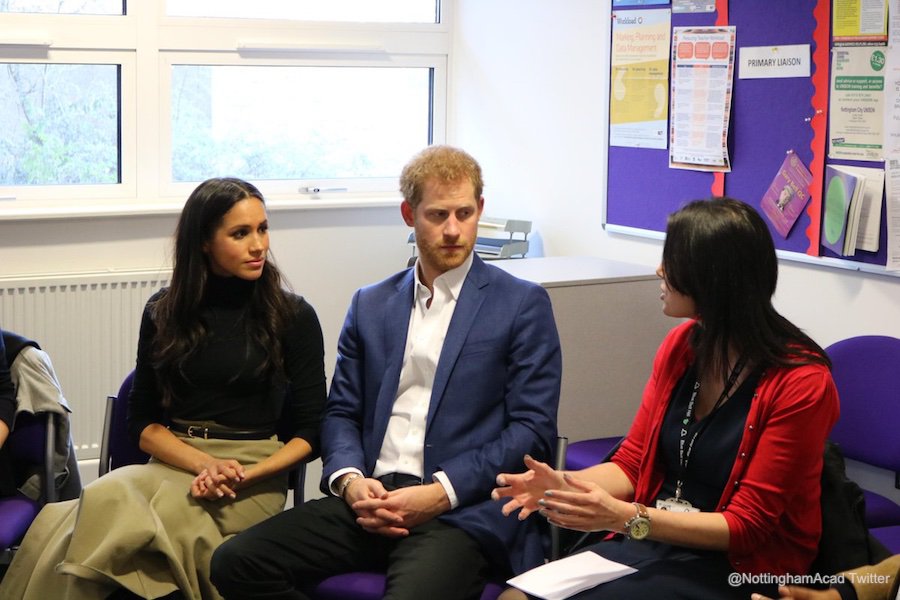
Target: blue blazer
[{"x": 495, "y": 396}]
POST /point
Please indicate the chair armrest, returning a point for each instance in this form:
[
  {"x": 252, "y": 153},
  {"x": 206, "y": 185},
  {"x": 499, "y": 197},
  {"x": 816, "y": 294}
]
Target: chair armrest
[
  {"x": 104, "y": 438},
  {"x": 297, "y": 482},
  {"x": 559, "y": 463},
  {"x": 48, "y": 477}
]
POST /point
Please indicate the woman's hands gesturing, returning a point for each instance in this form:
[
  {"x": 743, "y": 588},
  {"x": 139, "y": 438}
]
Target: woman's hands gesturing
[
  {"x": 527, "y": 489},
  {"x": 561, "y": 498}
]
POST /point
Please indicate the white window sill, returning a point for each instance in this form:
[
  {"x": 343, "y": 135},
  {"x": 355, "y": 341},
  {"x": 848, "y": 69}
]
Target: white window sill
[{"x": 34, "y": 211}]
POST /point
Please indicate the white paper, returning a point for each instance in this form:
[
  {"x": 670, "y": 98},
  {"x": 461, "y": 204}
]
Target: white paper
[
  {"x": 766, "y": 62},
  {"x": 566, "y": 577},
  {"x": 892, "y": 173},
  {"x": 693, "y": 6},
  {"x": 892, "y": 86},
  {"x": 892, "y": 138},
  {"x": 894, "y": 22}
]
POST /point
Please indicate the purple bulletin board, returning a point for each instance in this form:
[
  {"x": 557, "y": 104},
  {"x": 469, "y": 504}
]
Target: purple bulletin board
[{"x": 769, "y": 118}]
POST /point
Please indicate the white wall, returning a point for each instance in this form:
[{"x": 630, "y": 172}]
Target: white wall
[
  {"x": 529, "y": 100},
  {"x": 325, "y": 254}
]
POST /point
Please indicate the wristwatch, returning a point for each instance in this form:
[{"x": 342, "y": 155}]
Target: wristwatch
[
  {"x": 638, "y": 526},
  {"x": 345, "y": 483}
]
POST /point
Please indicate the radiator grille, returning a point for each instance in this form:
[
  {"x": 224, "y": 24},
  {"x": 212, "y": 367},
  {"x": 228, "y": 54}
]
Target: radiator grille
[{"x": 88, "y": 324}]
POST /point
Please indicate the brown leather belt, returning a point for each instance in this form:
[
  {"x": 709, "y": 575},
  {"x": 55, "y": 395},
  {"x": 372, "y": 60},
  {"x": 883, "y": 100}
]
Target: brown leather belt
[{"x": 393, "y": 481}]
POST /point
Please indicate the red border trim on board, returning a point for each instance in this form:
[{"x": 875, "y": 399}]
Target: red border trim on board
[
  {"x": 818, "y": 121},
  {"x": 718, "y": 182}
]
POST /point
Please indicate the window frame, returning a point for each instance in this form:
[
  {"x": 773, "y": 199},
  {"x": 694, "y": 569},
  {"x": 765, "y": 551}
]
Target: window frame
[
  {"x": 145, "y": 42},
  {"x": 285, "y": 189},
  {"x": 127, "y": 129}
]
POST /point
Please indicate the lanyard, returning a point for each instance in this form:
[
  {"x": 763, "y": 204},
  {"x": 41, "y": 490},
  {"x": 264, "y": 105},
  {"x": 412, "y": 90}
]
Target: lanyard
[{"x": 684, "y": 454}]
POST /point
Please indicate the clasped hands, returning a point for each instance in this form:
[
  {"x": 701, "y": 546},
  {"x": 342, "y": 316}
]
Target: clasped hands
[
  {"x": 394, "y": 513},
  {"x": 561, "y": 498},
  {"x": 219, "y": 479}
]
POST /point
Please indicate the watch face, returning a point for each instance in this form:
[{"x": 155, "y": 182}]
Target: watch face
[{"x": 639, "y": 529}]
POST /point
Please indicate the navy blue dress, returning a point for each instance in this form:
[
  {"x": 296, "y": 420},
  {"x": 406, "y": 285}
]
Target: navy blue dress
[{"x": 667, "y": 572}]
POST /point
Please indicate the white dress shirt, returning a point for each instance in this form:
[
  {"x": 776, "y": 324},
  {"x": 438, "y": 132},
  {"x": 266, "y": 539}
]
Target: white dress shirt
[{"x": 403, "y": 449}]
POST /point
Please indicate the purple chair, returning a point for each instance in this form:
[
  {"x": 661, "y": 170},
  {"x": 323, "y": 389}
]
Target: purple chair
[
  {"x": 889, "y": 536},
  {"x": 587, "y": 453},
  {"x": 865, "y": 370},
  {"x": 116, "y": 448},
  {"x": 29, "y": 443},
  {"x": 370, "y": 586}
]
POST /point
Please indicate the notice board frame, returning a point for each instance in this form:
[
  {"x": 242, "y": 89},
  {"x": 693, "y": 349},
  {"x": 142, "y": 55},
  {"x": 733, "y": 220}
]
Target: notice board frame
[{"x": 769, "y": 118}]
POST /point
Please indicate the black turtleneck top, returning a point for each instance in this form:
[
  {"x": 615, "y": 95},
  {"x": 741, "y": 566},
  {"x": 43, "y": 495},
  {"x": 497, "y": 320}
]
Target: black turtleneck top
[{"x": 219, "y": 382}]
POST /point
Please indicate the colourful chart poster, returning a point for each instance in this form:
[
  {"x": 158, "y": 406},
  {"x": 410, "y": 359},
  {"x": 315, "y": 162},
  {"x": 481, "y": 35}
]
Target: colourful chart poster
[
  {"x": 787, "y": 195},
  {"x": 702, "y": 79},
  {"x": 638, "y": 91}
]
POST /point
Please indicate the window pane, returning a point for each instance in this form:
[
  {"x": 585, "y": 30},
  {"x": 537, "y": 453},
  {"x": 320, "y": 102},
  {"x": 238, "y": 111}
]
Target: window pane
[
  {"x": 60, "y": 124},
  {"x": 66, "y": 7},
  {"x": 376, "y": 11},
  {"x": 297, "y": 122}
]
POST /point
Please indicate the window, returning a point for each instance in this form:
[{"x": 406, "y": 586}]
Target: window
[
  {"x": 108, "y": 110},
  {"x": 301, "y": 123},
  {"x": 63, "y": 7},
  {"x": 61, "y": 124},
  {"x": 381, "y": 11}
]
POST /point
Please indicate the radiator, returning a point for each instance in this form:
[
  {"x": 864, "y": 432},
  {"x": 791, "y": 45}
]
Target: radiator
[{"x": 88, "y": 323}]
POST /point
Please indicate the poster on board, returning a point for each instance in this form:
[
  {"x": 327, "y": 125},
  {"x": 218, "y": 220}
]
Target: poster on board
[
  {"x": 639, "y": 79},
  {"x": 702, "y": 80},
  {"x": 859, "y": 22},
  {"x": 856, "y": 123},
  {"x": 787, "y": 194}
]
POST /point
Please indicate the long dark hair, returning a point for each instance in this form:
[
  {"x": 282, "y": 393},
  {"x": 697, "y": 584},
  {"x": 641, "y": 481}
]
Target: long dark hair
[
  {"x": 176, "y": 313},
  {"x": 720, "y": 253}
]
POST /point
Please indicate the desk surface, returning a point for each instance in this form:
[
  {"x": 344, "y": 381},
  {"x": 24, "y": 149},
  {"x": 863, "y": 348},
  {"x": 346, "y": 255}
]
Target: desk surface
[{"x": 563, "y": 271}]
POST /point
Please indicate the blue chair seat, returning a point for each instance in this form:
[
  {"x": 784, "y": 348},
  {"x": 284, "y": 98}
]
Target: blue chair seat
[
  {"x": 30, "y": 443},
  {"x": 358, "y": 586},
  {"x": 865, "y": 373},
  {"x": 880, "y": 510},
  {"x": 889, "y": 536},
  {"x": 371, "y": 586},
  {"x": 587, "y": 453},
  {"x": 18, "y": 513}
]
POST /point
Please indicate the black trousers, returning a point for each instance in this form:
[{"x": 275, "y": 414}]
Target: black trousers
[
  {"x": 285, "y": 556},
  {"x": 7, "y": 475}
]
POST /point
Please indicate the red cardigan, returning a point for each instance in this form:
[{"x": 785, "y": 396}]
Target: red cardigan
[{"x": 772, "y": 505}]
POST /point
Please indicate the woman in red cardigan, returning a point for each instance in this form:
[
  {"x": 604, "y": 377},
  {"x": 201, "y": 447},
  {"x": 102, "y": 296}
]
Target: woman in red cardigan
[{"x": 720, "y": 471}]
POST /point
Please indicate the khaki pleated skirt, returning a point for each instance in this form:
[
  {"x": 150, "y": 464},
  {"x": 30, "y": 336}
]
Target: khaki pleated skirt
[{"x": 138, "y": 528}]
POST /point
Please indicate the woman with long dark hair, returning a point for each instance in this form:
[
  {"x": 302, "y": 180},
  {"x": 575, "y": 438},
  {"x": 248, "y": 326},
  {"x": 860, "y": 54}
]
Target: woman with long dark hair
[
  {"x": 719, "y": 474},
  {"x": 225, "y": 357}
]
